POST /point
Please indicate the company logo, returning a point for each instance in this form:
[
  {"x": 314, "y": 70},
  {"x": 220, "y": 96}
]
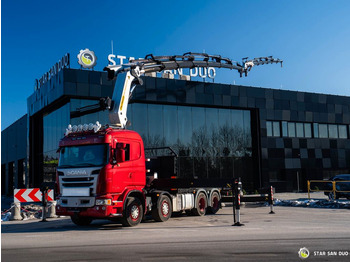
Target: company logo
[
  {"x": 76, "y": 172},
  {"x": 87, "y": 58},
  {"x": 304, "y": 253}
]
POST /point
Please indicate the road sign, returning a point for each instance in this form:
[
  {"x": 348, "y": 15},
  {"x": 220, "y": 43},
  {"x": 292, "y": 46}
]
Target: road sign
[{"x": 31, "y": 195}]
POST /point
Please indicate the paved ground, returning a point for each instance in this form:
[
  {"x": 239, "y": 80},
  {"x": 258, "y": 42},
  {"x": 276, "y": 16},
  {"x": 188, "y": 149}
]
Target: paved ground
[{"x": 264, "y": 237}]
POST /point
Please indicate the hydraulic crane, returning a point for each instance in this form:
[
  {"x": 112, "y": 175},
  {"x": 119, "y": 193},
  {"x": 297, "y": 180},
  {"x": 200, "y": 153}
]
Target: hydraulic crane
[{"x": 127, "y": 77}]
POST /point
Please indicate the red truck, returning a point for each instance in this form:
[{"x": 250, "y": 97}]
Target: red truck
[
  {"x": 102, "y": 170},
  {"x": 103, "y": 175}
]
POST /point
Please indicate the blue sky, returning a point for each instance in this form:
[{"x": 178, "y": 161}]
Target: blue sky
[{"x": 312, "y": 37}]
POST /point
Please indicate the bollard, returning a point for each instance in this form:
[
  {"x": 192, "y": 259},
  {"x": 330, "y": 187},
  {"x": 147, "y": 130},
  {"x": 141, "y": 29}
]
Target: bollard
[
  {"x": 271, "y": 201},
  {"x": 16, "y": 211},
  {"x": 44, "y": 203},
  {"x": 52, "y": 209},
  {"x": 237, "y": 203}
]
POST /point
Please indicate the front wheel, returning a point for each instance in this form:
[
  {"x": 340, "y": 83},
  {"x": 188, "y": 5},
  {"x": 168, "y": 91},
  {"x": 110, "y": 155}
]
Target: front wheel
[
  {"x": 133, "y": 212},
  {"x": 81, "y": 221},
  {"x": 162, "y": 212}
]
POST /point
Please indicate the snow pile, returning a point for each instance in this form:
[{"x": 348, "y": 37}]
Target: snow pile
[
  {"x": 30, "y": 211},
  {"x": 321, "y": 203}
]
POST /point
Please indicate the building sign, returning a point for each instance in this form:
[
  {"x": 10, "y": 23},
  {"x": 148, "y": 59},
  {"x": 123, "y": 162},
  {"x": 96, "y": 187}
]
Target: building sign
[
  {"x": 64, "y": 62},
  {"x": 202, "y": 72},
  {"x": 87, "y": 58}
]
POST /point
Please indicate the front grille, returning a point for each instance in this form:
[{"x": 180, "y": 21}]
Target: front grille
[{"x": 79, "y": 181}]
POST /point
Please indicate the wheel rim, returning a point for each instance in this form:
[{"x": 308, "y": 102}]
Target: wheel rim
[
  {"x": 202, "y": 204},
  {"x": 215, "y": 202},
  {"x": 134, "y": 212},
  {"x": 165, "y": 208}
]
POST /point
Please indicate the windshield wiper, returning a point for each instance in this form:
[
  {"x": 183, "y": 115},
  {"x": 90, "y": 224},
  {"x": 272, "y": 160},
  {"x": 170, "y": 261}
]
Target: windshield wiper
[{"x": 65, "y": 166}]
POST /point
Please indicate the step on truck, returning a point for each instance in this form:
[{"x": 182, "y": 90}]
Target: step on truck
[{"x": 103, "y": 172}]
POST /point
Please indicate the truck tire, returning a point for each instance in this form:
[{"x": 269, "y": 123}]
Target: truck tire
[
  {"x": 201, "y": 205},
  {"x": 81, "y": 221},
  {"x": 133, "y": 212},
  {"x": 214, "y": 203},
  {"x": 162, "y": 212}
]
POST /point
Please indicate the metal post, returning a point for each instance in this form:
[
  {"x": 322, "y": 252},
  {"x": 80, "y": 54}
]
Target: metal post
[
  {"x": 237, "y": 189},
  {"x": 308, "y": 188},
  {"x": 44, "y": 203},
  {"x": 16, "y": 211},
  {"x": 298, "y": 181},
  {"x": 334, "y": 189},
  {"x": 271, "y": 201}
]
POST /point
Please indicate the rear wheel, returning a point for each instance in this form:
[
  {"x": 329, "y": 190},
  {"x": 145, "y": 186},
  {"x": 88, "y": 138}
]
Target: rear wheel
[
  {"x": 214, "y": 203},
  {"x": 201, "y": 205},
  {"x": 133, "y": 212},
  {"x": 162, "y": 212},
  {"x": 81, "y": 221}
]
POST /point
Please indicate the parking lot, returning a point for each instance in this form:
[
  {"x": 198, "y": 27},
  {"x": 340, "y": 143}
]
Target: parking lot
[{"x": 264, "y": 237}]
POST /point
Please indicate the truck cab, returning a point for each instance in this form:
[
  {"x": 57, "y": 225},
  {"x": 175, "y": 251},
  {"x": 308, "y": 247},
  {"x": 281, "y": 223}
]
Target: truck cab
[{"x": 97, "y": 172}]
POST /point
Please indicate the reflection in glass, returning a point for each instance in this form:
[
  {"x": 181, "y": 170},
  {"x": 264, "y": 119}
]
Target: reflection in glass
[
  {"x": 284, "y": 128},
  {"x": 300, "y": 129},
  {"x": 316, "y": 134},
  {"x": 333, "y": 131},
  {"x": 307, "y": 128},
  {"x": 269, "y": 128},
  {"x": 291, "y": 129},
  {"x": 209, "y": 141},
  {"x": 323, "y": 130},
  {"x": 342, "y": 131},
  {"x": 276, "y": 129}
]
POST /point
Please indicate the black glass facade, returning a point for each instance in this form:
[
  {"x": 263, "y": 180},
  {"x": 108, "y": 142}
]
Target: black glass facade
[
  {"x": 212, "y": 143},
  {"x": 265, "y": 136}
]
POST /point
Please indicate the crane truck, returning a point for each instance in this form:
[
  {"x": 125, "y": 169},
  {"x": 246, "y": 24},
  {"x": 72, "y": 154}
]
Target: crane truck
[{"x": 103, "y": 170}]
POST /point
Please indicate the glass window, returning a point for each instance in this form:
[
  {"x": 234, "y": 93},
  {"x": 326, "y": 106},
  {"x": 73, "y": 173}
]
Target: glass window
[
  {"x": 83, "y": 156},
  {"x": 171, "y": 133},
  {"x": 307, "y": 129},
  {"x": 333, "y": 131},
  {"x": 156, "y": 129},
  {"x": 284, "y": 128},
  {"x": 247, "y": 128},
  {"x": 315, "y": 130},
  {"x": 291, "y": 129},
  {"x": 139, "y": 119},
  {"x": 185, "y": 125},
  {"x": 269, "y": 128},
  {"x": 323, "y": 130},
  {"x": 300, "y": 129},
  {"x": 276, "y": 129},
  {"x": 342, "y": 131}
]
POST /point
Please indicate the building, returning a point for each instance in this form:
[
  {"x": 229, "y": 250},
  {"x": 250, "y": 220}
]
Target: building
[{"x": 266, "y": 136}]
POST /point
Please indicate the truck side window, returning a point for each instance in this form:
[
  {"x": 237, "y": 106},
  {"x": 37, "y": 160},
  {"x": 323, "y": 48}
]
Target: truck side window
[{"x": 123, "y": 152}]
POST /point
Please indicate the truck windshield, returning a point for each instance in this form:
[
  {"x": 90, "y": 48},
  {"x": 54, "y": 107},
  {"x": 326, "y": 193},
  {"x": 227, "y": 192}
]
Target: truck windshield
[{"x": 83, "y": 156}]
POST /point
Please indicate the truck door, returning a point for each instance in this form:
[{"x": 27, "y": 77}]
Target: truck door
[{"x": 122, "y": 171}]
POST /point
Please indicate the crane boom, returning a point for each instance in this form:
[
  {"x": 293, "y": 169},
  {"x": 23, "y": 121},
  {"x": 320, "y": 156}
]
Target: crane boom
[
  {"x": 128, "y": 77},
  {"x": 129, "y": 74}
]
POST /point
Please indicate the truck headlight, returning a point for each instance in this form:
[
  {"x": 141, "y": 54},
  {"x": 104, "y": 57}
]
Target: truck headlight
[{"x": 103, "y": 202}]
